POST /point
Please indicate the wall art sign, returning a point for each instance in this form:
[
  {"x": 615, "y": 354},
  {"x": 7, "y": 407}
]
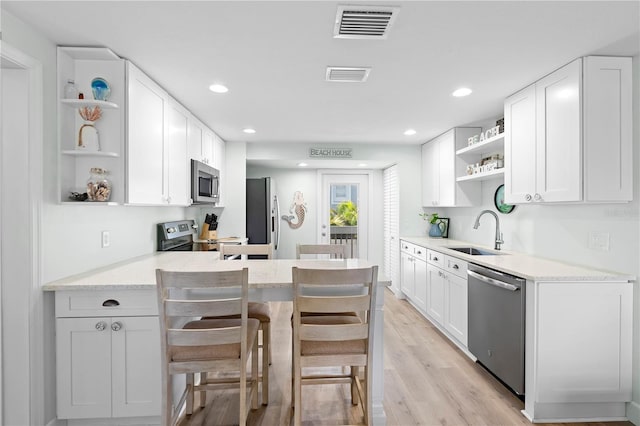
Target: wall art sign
[
  {"x": 330, "y": 152},
  {"x": 488, "y": 134}
]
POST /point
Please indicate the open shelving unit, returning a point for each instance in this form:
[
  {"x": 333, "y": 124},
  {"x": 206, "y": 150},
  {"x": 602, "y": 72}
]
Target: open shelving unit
[
  {"x": 83, "y": 64},
  {"x": 474, "y": 153}
]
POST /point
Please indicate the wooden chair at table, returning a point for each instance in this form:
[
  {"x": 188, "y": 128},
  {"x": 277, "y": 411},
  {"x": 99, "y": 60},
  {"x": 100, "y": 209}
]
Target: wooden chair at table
[
  {"x": 259, "y": 311},
  {"x": 335, "y": 251},
  {"x": 333, "y": 340},
  {"x": 216, "y": 345}
]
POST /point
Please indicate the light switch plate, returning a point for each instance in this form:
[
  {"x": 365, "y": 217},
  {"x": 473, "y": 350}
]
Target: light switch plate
[{"x": 599, "y": 240}]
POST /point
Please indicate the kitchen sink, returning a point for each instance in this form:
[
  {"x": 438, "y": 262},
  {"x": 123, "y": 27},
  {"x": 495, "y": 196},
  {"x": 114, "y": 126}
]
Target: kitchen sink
[{"x": 474, "y": 251}]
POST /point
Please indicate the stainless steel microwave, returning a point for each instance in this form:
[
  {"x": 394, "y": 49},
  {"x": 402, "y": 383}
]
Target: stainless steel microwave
[{"x": 205, "y": 183}]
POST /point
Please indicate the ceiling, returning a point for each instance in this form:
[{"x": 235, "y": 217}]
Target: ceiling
[{"x": 273, "y": 57}]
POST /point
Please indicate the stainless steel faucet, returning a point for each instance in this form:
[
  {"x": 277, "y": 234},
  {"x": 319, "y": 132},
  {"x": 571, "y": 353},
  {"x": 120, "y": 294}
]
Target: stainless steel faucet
[{"x": 499, "y": 240}]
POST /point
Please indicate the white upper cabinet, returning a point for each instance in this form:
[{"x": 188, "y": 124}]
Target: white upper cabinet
[
  {"x": 607, "y": 129},
  {"x": 157, "y": 172},
  {"x": 440, "y": 165},
  {"x": 146, "y": 115},
  {"x": 580, "y": 107},
  {"x": 177, "y": 165},
  {"x": 194, "y": 145},
  {"x": 207, "y": 146}
]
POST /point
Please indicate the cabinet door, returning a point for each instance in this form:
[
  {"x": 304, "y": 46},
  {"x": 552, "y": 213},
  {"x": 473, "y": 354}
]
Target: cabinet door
[
  {"x": 178, "y": 169},
  {"x": 207, "y": 146},
  {"x": 145, "y": 139},
  {"x": 219, "y": 159},
  {"x": 608, "y": 159},
  {"x": 430, "y": 174},
  {"x": 558, "y": 135},
  {"x": 447, "y": 170},
  {"x": 455, "y": 321},
  {"x": 83, "y": 367},
  {"x": 585, "y": 356},
  {"x": 135, "y": 366},
  {"x": 194, "y": 145},
  {"x": 520, "y": 146},
  {"x": 407, "y": 284},
  {"x": 435, "y": 293},
  {"x": 420, "y": 283}
]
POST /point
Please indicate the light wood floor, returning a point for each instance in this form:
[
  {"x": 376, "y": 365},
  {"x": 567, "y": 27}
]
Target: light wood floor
[{"x": 428, "y": 381}]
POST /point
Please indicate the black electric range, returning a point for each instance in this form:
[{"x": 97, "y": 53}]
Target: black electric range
[{"x": 178, "y": 236}]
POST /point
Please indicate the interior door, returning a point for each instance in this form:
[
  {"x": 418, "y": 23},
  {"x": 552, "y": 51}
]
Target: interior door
[{"x": 343, "y": 215}]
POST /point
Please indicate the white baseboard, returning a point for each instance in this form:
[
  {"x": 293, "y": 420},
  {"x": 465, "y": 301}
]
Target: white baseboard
[{"x": 633, "y": 412}]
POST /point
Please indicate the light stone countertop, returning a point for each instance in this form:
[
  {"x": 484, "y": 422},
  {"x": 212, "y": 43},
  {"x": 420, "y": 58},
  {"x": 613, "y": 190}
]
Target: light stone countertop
[
  {"x": 521, "y": 265},
  {"x": 139, "y": 272}
]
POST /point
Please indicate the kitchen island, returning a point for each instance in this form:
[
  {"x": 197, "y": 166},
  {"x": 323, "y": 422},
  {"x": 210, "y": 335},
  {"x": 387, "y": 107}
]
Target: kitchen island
[
  {"x": 108, "y": 338},
  {"x": 577, "y": 328}
]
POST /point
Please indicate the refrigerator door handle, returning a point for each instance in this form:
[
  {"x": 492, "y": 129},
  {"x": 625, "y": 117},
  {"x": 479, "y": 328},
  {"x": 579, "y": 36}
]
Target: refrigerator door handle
[{"x": 277, "y": 222}]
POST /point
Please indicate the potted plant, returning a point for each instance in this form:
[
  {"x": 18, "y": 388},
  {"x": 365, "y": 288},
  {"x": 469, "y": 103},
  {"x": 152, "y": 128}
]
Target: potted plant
[{"x": 436, "y": 224}]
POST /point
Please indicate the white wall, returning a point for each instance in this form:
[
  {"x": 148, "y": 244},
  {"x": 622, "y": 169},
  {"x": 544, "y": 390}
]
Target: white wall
[{"x": 287, "y": 182}]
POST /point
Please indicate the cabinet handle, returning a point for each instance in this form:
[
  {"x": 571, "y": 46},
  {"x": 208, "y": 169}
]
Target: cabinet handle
[
  {"x": 527, "y": 197},
  {"x": 439, "y": 273},
  {"x": 455, "y": 266},
  {"x": 116, "y": 326},
  {"x": 537, "y": 197},
  {"x": 110, "y": 302},
  {"x": 419, "y": 252},
  {"x": 100, "y": 326},
  {"x": 435, "y": 258}
]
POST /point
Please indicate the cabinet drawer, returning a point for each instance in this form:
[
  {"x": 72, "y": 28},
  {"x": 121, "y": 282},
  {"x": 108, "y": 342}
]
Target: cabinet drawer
[
  {"x": 102, "y": 303},
  {"x": 420, "y": 252},
  {"x": 455, "y": 266},
  {"x": 406, "y": 247},
  {"x": 435, "y": 258}
]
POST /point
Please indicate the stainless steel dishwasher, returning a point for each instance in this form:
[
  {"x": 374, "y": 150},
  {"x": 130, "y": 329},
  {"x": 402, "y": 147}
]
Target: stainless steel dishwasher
[{"x": 496, "y": 324}]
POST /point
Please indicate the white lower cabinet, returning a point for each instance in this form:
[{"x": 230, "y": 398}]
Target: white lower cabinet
[
  {"x": 107, "y": 366},
  {"x": 447, "y": 294},
  {"x": 413, "y": 270}
]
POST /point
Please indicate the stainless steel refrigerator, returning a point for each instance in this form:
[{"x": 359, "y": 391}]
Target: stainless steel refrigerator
[{"x": 263, "y": 213}]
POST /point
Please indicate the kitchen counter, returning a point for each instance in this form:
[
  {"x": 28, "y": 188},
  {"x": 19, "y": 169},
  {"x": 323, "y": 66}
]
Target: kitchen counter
[
  {"x": 139, "y": 272},
  {"x": 522, "y": 265}
]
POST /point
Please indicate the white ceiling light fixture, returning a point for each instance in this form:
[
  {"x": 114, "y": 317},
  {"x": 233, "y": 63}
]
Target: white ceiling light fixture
[
  {"x": 218, "y": 88},
  {"x": 249, "y": 130},
  {"x": 362, "y": 165},
  {"x": 463, "y": 91},
  {"x": 364, "y": 22},
  {"x": 410, "y": 132},
  {"x": 302, "y": 164},
  {"x": 347, "y": 74}
]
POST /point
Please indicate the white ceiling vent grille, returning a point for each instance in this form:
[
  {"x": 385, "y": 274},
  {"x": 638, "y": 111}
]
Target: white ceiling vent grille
[
  {"x": 347, "y": 74},
  {"x": 364, "y": 22}
]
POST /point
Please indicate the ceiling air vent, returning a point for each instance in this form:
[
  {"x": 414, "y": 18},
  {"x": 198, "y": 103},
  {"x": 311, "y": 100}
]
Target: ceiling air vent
[
  {"x": 364, "y": 22},
  {"x": 348, "y": 75}
]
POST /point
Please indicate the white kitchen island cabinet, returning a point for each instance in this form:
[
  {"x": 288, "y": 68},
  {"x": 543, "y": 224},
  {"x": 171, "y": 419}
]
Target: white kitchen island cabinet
[
  {"x": 568, "y": 135},
  {"x": 108, "y": 355}
]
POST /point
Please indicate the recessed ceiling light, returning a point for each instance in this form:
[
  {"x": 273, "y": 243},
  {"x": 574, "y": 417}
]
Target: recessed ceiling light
[
  {"x": 463, "y": 91},
  {"x": 362, "y": 165},
  {"x": 409, "y": 132},
  {"x": 249, "y": 130},
  {"x": 302, "y": 164},
  {"x": 218, "y": 88}
]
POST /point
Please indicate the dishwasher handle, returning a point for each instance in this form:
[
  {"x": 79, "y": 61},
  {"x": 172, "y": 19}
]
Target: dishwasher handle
[{"x": 493, "y": 282}]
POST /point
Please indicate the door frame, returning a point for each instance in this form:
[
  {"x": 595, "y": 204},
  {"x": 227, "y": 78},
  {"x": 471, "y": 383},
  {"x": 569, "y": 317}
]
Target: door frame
[
  {"x": 33, "y": 177},
  {"x": 321, "y": 173}
]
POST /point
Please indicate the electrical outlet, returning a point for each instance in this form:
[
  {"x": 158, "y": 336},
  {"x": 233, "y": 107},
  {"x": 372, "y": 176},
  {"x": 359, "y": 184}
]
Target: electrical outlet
[
  {"x": 106, "y": 239},
  {"x": 599, "y": 240}
]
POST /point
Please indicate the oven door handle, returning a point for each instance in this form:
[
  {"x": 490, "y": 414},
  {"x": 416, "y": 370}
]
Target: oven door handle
[{"x": 493, "y": 282}]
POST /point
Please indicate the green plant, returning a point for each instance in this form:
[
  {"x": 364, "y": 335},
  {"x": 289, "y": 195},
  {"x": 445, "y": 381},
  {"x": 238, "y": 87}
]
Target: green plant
[
  {"x": 346, "y": 214},
  {"x": 431, "y": 217}
]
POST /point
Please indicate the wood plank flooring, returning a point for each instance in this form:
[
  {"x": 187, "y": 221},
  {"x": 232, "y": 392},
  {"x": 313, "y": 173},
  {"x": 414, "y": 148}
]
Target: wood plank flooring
[{"x": 428, "y": 381}]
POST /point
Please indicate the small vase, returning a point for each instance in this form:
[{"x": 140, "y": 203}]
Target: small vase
[{"x": 435, "y": 231}]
